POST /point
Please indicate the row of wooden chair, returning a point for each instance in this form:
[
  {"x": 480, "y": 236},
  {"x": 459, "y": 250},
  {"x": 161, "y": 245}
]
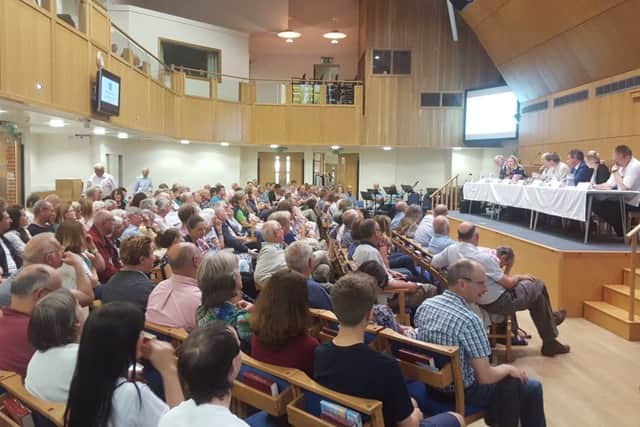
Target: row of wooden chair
[{"x": 44, "y": 413}]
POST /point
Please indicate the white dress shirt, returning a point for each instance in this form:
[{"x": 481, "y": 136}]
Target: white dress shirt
[
  {"x": 630, "y": 178},
  {"x": 106, "y": 182}
]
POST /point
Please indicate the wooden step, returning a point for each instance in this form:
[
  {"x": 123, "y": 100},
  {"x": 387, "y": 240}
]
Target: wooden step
[
  {"x": 618, "y": 295},
  {"x": 627, "y": 277},
  {"x": 613, "y": 319}
]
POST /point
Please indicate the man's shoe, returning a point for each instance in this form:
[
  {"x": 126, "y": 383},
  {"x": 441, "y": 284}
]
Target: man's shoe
[
  {"x": 559, "y": 316},
  {"x": 554, "y": 347}
]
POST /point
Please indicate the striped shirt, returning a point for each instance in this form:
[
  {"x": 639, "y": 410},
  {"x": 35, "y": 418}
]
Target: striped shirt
[{"x": 447, "y": 320}]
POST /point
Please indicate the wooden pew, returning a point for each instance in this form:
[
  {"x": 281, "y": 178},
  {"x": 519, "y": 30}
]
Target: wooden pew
[
  {"x": 447, "y": 370},
  {"x": 53, "y": 412},
  {"x": 173, "y": 335},
  {"x": 305, "y": 389},
  {"x": 325, "y": 327}
]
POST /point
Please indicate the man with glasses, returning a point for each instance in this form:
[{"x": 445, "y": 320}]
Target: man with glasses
[
  {"x": 504, "y": 390},
  {"x": 507, "y": 293}
]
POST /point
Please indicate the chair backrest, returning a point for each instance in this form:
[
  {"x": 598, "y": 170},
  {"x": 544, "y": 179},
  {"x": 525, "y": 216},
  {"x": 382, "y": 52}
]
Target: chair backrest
[
  {"x": 325, "y": 327},
  {"x": 44, "y": 411},
  {"x": 251, "y": 394},
  {"x": 311, "y": 401},
  {"x": 164, "y": 333},
  {"x": 442, "y": 369}
]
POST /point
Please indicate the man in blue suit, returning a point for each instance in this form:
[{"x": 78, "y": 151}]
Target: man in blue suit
[{"x": 581, "y": 172}]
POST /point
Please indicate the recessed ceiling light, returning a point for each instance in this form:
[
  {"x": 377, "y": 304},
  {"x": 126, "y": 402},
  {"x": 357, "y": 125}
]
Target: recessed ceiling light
[
  {"x": 185, "y": 141},
  {"x": 273, "y": 146},
  {"x": 289, "y": 40},
  {"x": 334, "y": 41},
  {"x": 456, "y": 148},
  {"x": 335, "y": 147},
  {"x": 387, "y": 148},
  {"x": 123, "y": 135},
  {"x": 289, "y": 34},
  {"x": 56, "y": 123},
  {"x": 334, "y": 35},
  {"x": 99, "y": 130},
  {"x": 224, "y": 144}
]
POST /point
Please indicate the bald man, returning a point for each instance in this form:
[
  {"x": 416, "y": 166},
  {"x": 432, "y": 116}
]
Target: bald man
[
  {"x": 440, "y": 240},
  {"x": 424, "y": 232},
  {"x": 101, "y": 179},
  {"x": 507, "y": 293},
  {"x": 173, "y": 302},
  {"x": 143, "y": 183},
  {"x": 401, "y": 209},
  {"x": 31, "y": 284}
]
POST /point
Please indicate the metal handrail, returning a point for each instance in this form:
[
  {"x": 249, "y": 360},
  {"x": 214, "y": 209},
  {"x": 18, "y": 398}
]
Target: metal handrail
[
  {"x": 448, "y": 192},
  {"x": 214, "y": 74},
  {"x": 632, "y": 237}
]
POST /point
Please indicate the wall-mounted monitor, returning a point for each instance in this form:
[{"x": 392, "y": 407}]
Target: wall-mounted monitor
[
  {"x": 108, "y": 93},
  {"x": 490, "y": 115}
]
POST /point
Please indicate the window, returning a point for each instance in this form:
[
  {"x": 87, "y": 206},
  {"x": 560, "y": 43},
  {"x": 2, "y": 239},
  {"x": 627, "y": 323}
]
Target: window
[
  {"x": 394, "y": 62},
  {"x": 192, "y": 57},
  {"x": 452, "y": 99},
  {"x": 430, "y": 99}
]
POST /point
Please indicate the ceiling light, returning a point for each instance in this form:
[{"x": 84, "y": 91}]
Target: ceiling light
[
  {"x": 387, "y": 148},
  {"x": 456, "y": 148},
  {"x": 273, "y": 146},
  {"x": 289, "y": 40},
  {"x": 334, "y": 41},
  {"x": 56, "y": 123},
  {"x": 335, "y": 147},
  {"x": 99, "y": 130},
  {"x": 376, "y": 57},
  {"x": 289, "y": 34},
  {"x": 334, "y": 35},
  {"x": 224, "y": 144},
  {"x": 185, "y": 141},
  {"x": 123, "y": 135},
  {"x": 3, "y": 111}
]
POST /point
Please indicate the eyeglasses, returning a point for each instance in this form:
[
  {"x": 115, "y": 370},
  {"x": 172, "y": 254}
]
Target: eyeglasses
[{"x": 477, "y": 282}]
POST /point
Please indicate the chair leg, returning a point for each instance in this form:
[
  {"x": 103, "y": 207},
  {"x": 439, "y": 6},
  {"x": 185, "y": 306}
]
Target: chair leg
[{"x": 508, "y": 339}]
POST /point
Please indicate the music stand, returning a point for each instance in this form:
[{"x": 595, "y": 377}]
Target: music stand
[
  {"x": 407, "y": 188},
  {"x": 370, "y": 195}
]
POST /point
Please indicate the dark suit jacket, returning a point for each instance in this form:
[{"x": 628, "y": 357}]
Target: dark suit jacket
[
  {"x": 3, "y": 258},
  {"x": 230, "y": 240},
  {"x": 582, "y": 173},
  {"x": 602, "y": 174}
]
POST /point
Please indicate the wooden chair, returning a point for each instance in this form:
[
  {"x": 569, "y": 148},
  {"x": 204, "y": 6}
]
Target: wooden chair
[
  {"x": 325, "y": 327},
  {"x": 164, "y": 333},
  {"x": 48, "y": 411},
  {"x": 245, "y": 396},
  {"x": 304, "y": 409},
  {"x": 445, "y": 370},
  {"x": 494, "y": 335}
]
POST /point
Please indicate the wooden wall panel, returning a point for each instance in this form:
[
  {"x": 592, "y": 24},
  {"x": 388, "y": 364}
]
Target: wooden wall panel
[
  {"x": 269, "y": 125},
  {"x": 99, "y": 27},
  {"x": 392, "y": 111},
  {"x": 71, "y": 91},
  {"x": 138, "y": 97},
  {"x": 340, "y": 125},
  {"x": 197, "y": 116},
  {"x": 304, "y": 125},
  {"x": 26, "y": 52},
  {"x": 171, "y": 105},
  {"x": 545, "y": 46},
  {"x": 156, "y": 107},
  {"x": 228, "y": 123}
]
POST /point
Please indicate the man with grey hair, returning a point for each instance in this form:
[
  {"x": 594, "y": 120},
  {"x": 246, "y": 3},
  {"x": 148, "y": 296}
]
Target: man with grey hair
[
  {"x": 101, "y": 232},
  {"x": 135, "y": 218},
  {"x": 165, "y": 216},
  {"x": 401, "y": 209},
  {"x": 440, "y": 240},
  {"x": 45, "y": 249},
  {"x": 101, "y": 179},
  {"x": 148, "y": 204},
  {"x": 284, "y": 219},
  {"x": 344, "y": 232},
  {"x": 447, "y": 320},
  {"x": 42, "y": 215},
  {"x": 424, "y": 232},
  {"x": 299, "y": 257},
  {"x": 143, "y": 183},
  {"x": 30, "y": 284},
  {"x": 271, "y": 256},
  {"x": 174, "y": 301}
]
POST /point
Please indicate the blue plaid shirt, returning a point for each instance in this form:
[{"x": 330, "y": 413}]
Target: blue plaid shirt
[{"x": 447, "y": 320}]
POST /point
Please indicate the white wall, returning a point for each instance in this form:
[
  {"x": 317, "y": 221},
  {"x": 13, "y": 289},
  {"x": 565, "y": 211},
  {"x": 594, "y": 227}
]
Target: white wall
[
  {"x": 146, "y": 27},
  {"x": 48, "y": 157}
]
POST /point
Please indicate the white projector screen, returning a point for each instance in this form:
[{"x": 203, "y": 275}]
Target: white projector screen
[{"x": 490, "y": 114}]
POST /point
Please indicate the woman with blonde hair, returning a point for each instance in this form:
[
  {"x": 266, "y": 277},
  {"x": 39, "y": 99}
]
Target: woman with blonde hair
[
  {"x": 600, "y": 171},
  {"x": 73, "y": 238},
  {"x": 515, "y": 171}
]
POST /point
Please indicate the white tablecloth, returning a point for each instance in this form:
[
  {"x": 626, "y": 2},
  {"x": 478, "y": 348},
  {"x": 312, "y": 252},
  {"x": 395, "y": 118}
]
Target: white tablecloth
[{"x": 566, "y": 202}]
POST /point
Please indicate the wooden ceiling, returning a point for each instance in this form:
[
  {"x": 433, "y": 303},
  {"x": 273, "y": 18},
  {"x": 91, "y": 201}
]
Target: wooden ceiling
[{"x": 545, "y": 46}]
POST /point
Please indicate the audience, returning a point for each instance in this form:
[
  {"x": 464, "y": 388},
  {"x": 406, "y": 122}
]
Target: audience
[
  {"x": 54, "y": 331},
  {"x": 280, "y": 320},
  {"x": 42, "y": 218},
  {"x": 410, "y": 222},
  {"x": 101, "y": 233},
  {"x": 447, "y": 320},
  {"x": 174, "y": 301},
  {"x": 440, "y": 240},
  {"x": 196, "y": 231},
  {"x": 208, "y": 363},
  {"x": 30, "y": 285},
  {"x": 401, "y": 209},
  {"x": 221, "y": 286},
  {"x": 271, "y": 258},
  {"x": 101, "y": 179},
  {"x": 507, "y": 294},
  {"x": 424, "y": 232},
  {"x": 347, "y": 365},
  {"x": 299, "y": 258},
  {"x": 104, "y": 390},
  {"x": 132, "y": 282},
  {"x": 18, "y": 235},
  {"x": 10, "y": 261}
]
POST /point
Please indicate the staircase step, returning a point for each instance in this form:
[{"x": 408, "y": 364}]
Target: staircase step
[
  {"x": 627, "y": 277},
  {"x": 612, "y": 318},
  {"x": 618, "y": 295}
]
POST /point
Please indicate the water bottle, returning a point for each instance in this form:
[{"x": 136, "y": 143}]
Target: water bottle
[{"x": 570, "y": 180}]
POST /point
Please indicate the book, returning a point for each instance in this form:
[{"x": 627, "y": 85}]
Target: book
[
  {"x": 260, "y": 383},
  {"x": 352, "y": 417},
  {"x": 422, "y": 360},
  {"x": 18, "y": 412},
  {"x": 335, "y": 420}
]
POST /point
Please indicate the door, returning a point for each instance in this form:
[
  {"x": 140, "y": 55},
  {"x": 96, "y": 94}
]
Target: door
[
  {"x": 348, "y": 171},
  {"x": 281, "y": 168}
]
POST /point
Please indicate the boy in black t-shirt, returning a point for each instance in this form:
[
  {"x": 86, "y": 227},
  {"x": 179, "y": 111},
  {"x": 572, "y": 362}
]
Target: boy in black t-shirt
[{"x": 347, "y": 365}]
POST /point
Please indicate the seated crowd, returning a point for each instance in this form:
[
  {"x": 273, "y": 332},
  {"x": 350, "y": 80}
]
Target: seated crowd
[{"x": 239, "y": 273}]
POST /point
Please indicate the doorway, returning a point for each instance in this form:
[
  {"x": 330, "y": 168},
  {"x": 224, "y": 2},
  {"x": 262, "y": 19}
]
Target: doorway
[{"x": 281, "y": 168}]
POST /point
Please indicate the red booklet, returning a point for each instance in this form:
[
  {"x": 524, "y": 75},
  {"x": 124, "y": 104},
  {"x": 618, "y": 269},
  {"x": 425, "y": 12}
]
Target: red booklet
[
  {"x": 418, "y": 358},
  {"x": 260, "y": 383},
  {"x": 336, "y": 420},
  {"x": 18, "y": 412}
]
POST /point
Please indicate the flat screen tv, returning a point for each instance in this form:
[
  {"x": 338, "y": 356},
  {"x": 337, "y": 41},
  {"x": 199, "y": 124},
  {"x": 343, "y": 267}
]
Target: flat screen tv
[
  {"x": 490, "y": 115},
  {"x": 108, "y": 93}
]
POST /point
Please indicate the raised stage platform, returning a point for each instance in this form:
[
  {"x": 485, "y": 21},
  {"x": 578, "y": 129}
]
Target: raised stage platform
[{"x": 573, "y": 271}]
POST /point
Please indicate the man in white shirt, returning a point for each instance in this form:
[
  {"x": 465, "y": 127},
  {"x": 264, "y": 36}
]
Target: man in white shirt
[
  {"x": 101, "y": 179},
  {"x": 424, "y": 232},
  {"x": 506, "y": 293},
  {"x": 208, "y": 364},
  {"x": 625, "y": 175},
  {"x": 143, "y": 183},
  {"x": 554, "y": 168},
  {"x": 271, "y": 256}
]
